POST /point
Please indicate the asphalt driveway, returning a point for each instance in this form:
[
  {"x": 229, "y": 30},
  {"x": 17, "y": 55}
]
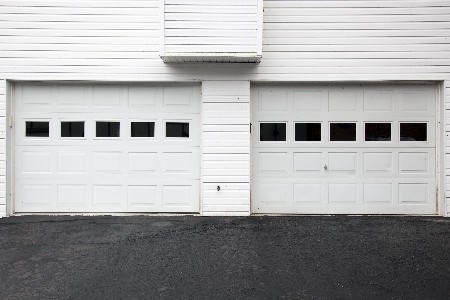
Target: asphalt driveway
[{"x": 224, "y": 258}]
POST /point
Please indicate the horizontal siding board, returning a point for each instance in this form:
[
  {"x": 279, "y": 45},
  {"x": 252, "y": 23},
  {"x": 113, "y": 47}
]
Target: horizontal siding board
[
  {"x": 355, "y": 18},
  {"x": 189, "y": 8},
  {"x": 54, "y": 10},
  {"x": 225, "y": 178},
  {"x": 287, "y": 4},
  {"x": 82, "y": 4},
  {"x": 353, "y": 26},
  {"x": 80, "y": 26},
  {"x": 356, "y": 11}
]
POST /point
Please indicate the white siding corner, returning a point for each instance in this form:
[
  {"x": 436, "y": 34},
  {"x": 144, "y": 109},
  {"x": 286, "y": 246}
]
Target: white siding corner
[
  {"x": 446, "y": 158},
  {"x": 2, "y": 148}
]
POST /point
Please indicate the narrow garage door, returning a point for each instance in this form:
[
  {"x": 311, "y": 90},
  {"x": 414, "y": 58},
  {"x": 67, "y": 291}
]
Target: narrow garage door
[
  {"x": 344, "y": 149},
  {"x": 106, "y": 148}
]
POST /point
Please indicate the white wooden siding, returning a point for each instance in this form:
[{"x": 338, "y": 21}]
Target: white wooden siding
[
  {"x": 211, "y": 30},
  {"x": 119, "y": 40},
  {"x": 226, "y": 147}
]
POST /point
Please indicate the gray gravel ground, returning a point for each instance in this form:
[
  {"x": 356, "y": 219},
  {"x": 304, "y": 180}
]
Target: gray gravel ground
[{"x": 224, "y": 258}]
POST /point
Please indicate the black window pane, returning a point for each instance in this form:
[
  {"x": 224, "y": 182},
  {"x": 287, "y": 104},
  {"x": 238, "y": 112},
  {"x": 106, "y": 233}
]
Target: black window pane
[
  {"x": 107, "y": 129},
  {"x": 72, "y": 129},
  {"x": 272, "y": 132},
  {"x": 310, "y": 132},
  {"x": 413, "y": 132},
  {"x": 40, "y": 129},
  {"x": 177, "y": 129},
  {"x": 342, "y": 132},
  {"x": 378, "y": 132},
  {"x": 142, "y": 129}
]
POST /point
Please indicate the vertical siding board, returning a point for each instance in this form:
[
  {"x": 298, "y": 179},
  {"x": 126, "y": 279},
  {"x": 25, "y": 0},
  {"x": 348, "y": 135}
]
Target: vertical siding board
[
  {"x": 446, "y": 121},
  {"x": 226, "y": 148},
  {"x": 2, "y": 147}
]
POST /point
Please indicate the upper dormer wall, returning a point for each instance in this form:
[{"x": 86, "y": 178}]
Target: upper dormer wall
[{"x": 211, "y": 30}]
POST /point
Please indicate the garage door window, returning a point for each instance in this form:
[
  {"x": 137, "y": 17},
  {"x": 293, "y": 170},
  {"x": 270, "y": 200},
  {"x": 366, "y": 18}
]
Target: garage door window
[
  {"x": 107, "y": 129},
  {"x": 37, "y": 129},
  {"x": 377, "y": 132},
  {"x": 342, "y": 132},
  {"x": 142, "y": 129},
  {"x": 72, "y": 129},
  {"x": 413, "y": 132},
  {"x": 308, "y": 132},
  {"x": 272, "y": 132},
  {"x": 177, "y": 129}
]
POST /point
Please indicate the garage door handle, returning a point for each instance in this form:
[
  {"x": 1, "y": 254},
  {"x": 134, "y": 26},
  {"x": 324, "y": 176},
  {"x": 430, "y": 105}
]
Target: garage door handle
[{"x": 325, "y": 167}]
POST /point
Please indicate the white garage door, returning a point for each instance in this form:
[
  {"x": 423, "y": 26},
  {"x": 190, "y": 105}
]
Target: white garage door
[
  {"x": 106, "y": 148},
  {"x": 351, "y": 149}
]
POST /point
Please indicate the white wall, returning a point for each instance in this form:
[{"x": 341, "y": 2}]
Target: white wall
[{"x": 331, "y": 40}]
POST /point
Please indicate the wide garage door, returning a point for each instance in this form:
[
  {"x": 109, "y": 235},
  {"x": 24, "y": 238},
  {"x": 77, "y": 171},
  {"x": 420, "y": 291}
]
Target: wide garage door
[
  {"x": 106, "y": 148},
  {"x": 344, "y": 149}
]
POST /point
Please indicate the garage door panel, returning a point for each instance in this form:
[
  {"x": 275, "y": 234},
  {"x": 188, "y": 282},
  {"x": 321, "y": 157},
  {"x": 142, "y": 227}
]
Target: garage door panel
[
  {"x": 308, "y": 194},
  {"x": 266, "y": 103},
  {"x": 342, "y": 193},
  {"x": 273, "y": 193},
  {"x": 310, "y": 101},
  {"x": 73, "y": 195},
  {"x": 417, "y": 102},
  {"x": 107, "y": 195},
  {"x": 36, "y": 95},
  {"x": 378, "y": 193},
  {"x": 142, "y": 162},
  {"x": 308, "y": 162},
  {"x": 380, "y": 101},
  {"x": 142, "y": 97},
  {"x": 35, "y": 193},
  {"x": 343, "y": 162},
  {"x": 413, "y": 162},
  {"x": 388, "y": 173},
  {"x": 378, "y": 163},
  {"x": 74, "y": 162},
  {"x": 107, "y": 162},
  {"x": 272, "y": 163},
  {"x": 107, "y": 96},
  {"x": 143, "y": 173},
  {"x": 344, "y": 101}
]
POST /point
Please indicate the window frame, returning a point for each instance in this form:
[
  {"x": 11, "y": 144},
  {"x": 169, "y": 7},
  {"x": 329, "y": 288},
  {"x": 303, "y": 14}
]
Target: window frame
[
  {"x": 378, "y": 122},
  {"x": 172, "y": 138},
  {"x": 413, "y": 122},
  {"x": 155, "y": 129},
  {"x": 309, "y": 122},
  {"x": 94, "y": 129},
  {"x": 272, "y": 122},
  {"x": 49, "y": 121},
  {"x": 72, "y": 138},
  {"x": 343, "y": 122}
]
